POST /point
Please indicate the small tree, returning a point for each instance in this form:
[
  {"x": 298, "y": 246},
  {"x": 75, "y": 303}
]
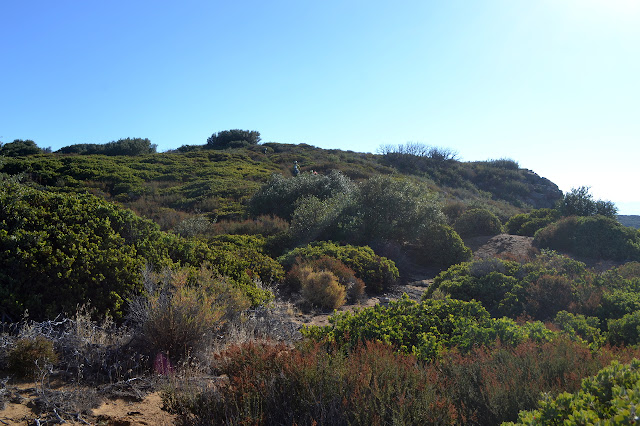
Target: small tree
[
  {"x": 227, "y": 138},
  {"x": 19, "y": 148},
  {"x": 579, "y": 202}
]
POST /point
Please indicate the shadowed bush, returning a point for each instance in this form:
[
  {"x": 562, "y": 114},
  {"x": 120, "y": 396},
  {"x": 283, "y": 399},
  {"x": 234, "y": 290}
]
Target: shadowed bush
[
  {"x": 440, "y": 246},
  {"x": 476, "y": 222},
  {"x": 527, "y": 224},
  {"x": 596, "y": 237}
]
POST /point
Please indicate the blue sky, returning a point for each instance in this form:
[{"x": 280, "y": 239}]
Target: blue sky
[{"x": 553, "y": 84}]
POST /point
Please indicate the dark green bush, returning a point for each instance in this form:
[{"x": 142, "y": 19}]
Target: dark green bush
[
  {"x": 625, "y": 330},
  {"x": 539, "y": 288},
  {"x": 578, "y": 202},
  {"x": 378, "y": 273},
  {"x": 233, "y": 138},
  {"x": 528, "y": 223},
  {"x": 127, "y": 146},
  {"x": 393, "y": 209},
  {"x": 596, "y": 237},
  {"x": 476, "y": 222},
  {"x": 441, "y": 246},
  {"x": 19, "y": 148}
]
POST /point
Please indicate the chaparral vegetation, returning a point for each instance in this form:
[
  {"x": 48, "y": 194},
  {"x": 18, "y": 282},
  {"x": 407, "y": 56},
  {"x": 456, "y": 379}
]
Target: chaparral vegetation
[{"x": 206, "y": 271}]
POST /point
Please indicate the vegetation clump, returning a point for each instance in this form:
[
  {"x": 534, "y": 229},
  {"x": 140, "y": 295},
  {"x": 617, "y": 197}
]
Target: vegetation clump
[
  {"x": 181, "y": 310},
  {"x": 527, "y": 224},
  {"x": 598, "y": 237},
  {"x": 31, "y": 356},
  {"x": 378, "y": 273},
  {"x": 609, "y": 397},
  {"x": 477, "y": 222}
]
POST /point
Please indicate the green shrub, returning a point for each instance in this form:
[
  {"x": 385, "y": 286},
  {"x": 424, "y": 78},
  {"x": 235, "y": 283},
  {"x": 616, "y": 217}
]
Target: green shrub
[
  {"x": 322, "y": 289},
  {"x": 539, "y": 288},
  {"x": 233, "y": 138},
  {"x": 426, "y": 329},
  {"x": 476, "y": 222},
  {"x": 378, "y": 273},
  {"x": 58, "y": 251},
  {"x": 315, "y": 219},
  {"x": 594, "y": 237},
  {"x": 625, "y": 330},
  {"x": 580, "y": 327},
  {"x": 609, "y": 397},
  {"x": 393, "y": 209},
  {"x": 441, "y": 246},
  {"x": 19, "y": 148},
  {"x": 527, "y": 224},
  {"x": 278, "y": 197},
  {"x": 30, "y": 356}
]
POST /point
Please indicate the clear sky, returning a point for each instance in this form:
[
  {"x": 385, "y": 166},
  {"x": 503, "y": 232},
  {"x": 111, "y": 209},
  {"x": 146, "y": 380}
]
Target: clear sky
[{"x": 553, "y": 84}]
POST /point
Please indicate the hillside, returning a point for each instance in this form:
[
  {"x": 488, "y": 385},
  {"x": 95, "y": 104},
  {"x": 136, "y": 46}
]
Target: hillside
[
  {"x": 632, "y": 221},
  {"x": 169, "y": 187},
  {"x": 380, "y": 276}
]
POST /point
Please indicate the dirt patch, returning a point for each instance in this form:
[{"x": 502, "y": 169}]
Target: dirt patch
[
  {"x": 24, "y": 404},
  {"x": 514, "y": 247},
  {"x": 124, "y": 413}
]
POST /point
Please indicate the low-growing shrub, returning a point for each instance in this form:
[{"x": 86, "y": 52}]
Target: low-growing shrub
[
  {"x": 596, "y": 237},
  {"x": 355, "y": 286},
  {"x": 539, "y": 288},
  {"x": 278, "y": 385},
  {"x": 373, "y": 384},
  {"x": 323, "y": 289},
  {"x": 527, "y": 224},
  {"x": 181, "y": 309},
  {"x": 30, "y": 356},
  {"x": 476, "y": 222},
  {"x": 609, "y": 397},
  {"x": 441, "y": 246},
  {"x": 378, "y": 273},
  {"x": 426, "y": 329}
]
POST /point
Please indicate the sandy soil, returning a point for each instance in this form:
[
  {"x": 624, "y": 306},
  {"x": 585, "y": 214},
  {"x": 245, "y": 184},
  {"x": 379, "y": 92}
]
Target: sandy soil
[{"x": 22, "y": 409}]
